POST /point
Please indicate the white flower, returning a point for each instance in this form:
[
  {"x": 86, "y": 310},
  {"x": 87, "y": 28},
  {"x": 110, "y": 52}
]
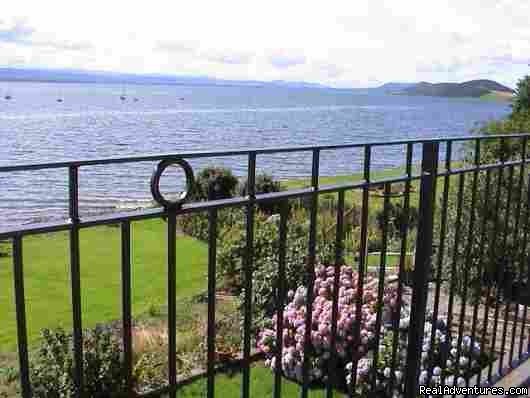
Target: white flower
[
  {"x": 423, "y": 377},
  {"x": 461, "y": 382},
  {"x": 404, "y": 322},
  {"x": 463, "y": 361},
  {"x": 437, "y": 371},
  {"x": 387, "y": 372}
]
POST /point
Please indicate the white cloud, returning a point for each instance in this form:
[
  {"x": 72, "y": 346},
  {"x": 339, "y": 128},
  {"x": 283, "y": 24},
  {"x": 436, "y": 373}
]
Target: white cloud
[{"x": 363, "y": 42}]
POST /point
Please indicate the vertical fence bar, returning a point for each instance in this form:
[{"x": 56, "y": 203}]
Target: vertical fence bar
[
  {"x": 20, "y": 305},
  {"x": 456, "y": 248},
  {"x": 311, "y": 273},
  {"x": 441, "y": 251},
  {"x": 172, "y": 300},
  {"x": 516, "y": 238},
  {"x": 493, "y": 248},
  {"x": 363, "y": 248},
  {"x": 381, "y": 282},
  {"x": 524, "y": 260},
  {"x": 506, "y": 295},
  {"x": 468, "y": 254},
  {"x": 422, "y": 263},
  {"x": 402, "y": 256},
  {"x": 339, "y": 260},
  {"x": 280, "y": 299},
  {"x": 249, "y": 261},
  {"x": 210, "y": 339},
  {"x": 492, "y": 240},
  {"x": 483, "y": 236},
  {"x": 73, "y": 206},
  {"x": 126, "y": 302}
]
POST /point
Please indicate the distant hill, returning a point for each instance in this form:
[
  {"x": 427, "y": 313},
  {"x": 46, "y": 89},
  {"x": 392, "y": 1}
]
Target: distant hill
[
  {"x": 393, "y": 87},
  {"x": 473, "y": 88},
  {"x": 83, "y": 76}
]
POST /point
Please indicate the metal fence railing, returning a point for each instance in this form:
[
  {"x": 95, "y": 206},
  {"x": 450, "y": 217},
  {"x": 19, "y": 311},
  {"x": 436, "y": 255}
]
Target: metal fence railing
[{"x": 457, "y": 203}]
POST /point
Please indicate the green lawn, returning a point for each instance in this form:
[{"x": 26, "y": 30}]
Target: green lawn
[
  {"x": 261, "y": 385},
  {"x": 47, "y": 277}
]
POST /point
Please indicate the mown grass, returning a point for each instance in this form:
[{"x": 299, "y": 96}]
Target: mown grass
[
  {"x": 261, "y": 385},
  {"x": 47, "y": 277}
]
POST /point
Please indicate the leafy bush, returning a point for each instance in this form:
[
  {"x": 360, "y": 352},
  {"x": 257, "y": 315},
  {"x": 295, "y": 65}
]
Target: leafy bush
[
  {"x": 214, "y": 183},
  {"x": 232, "y": 251},
  {"x": 522, "y": 96},
  {"x": 442, "y": 357},
  {"x": 397, "y": 217},
  {"x": 53, "y": 369},
  {"x": 501, "y": 262},
  {"x": 320, "y": 350},
  {"x": 448, "y": 365},
  {"x": 196, "y": 225},
  {"x": 265, "y": 183}
]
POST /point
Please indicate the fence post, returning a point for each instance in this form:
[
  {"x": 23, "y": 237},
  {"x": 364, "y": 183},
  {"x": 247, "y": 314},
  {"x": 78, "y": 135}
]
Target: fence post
[{"x": 422, "y": 261}]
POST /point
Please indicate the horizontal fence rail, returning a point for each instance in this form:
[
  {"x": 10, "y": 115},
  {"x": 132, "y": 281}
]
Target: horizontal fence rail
[{"x": 463, "y": 288}]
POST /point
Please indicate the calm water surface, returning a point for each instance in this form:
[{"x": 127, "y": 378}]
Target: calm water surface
[{"x": 93, "y": 122}]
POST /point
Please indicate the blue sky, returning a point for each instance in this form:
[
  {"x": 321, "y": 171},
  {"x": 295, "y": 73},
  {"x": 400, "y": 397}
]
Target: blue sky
[{"x": 340, "y": 43}]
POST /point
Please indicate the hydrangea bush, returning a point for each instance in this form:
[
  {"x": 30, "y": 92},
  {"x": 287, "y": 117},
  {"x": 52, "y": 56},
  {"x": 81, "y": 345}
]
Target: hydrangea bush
[
  {"x": 446, "y": 363},
  {"x": 320, "y": 350}
]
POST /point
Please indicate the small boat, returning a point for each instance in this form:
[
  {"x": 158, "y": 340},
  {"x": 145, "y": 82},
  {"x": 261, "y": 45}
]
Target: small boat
[
  {"x": 59, "y": 100},
  {"x": 123, "y": 95},
  {"x": 181, "y": 98},
  {"x": 8, "y": 97},
  {"x": 136, "y": 100}
]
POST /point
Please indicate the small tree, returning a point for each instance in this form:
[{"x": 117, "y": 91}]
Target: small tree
[
  {"x": 214, "y": 183},
  {"x": 522, "y": 96},
  {"x": 498, "y": 258},
  {"x": 265, "y": 183}
]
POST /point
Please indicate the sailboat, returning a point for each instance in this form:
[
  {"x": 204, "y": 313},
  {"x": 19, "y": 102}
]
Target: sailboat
[
  {"x": 60, "y": 97},
  {"x": 7, "y": 95},
  {"x": 123, "y": 97}
]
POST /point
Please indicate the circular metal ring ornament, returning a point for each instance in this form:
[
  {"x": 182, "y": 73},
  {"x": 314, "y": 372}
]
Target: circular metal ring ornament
[{"x": 155, "y": 182}]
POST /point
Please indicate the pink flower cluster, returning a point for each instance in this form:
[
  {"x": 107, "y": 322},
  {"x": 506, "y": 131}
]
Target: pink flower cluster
[{"x": 320, "y": 349}]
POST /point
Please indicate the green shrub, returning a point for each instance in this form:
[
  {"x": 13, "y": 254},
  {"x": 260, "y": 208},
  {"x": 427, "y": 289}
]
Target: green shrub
[
  {"x": 214, "y": 183},
  {"x": 231, "y": 257},
  {"x": 499, "y": 259},
  {"x": 522, "y": 96},
  {"x": 53, "y": 369},
  {"x": 264, "y": 184}
]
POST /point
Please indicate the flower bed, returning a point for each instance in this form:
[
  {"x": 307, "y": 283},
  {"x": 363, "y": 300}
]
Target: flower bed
[{"x": 446, "y": 362}]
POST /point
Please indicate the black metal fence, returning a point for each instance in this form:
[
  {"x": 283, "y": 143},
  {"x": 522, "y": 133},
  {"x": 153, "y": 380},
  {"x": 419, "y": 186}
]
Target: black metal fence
[{"x": 438, "y": 195}]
